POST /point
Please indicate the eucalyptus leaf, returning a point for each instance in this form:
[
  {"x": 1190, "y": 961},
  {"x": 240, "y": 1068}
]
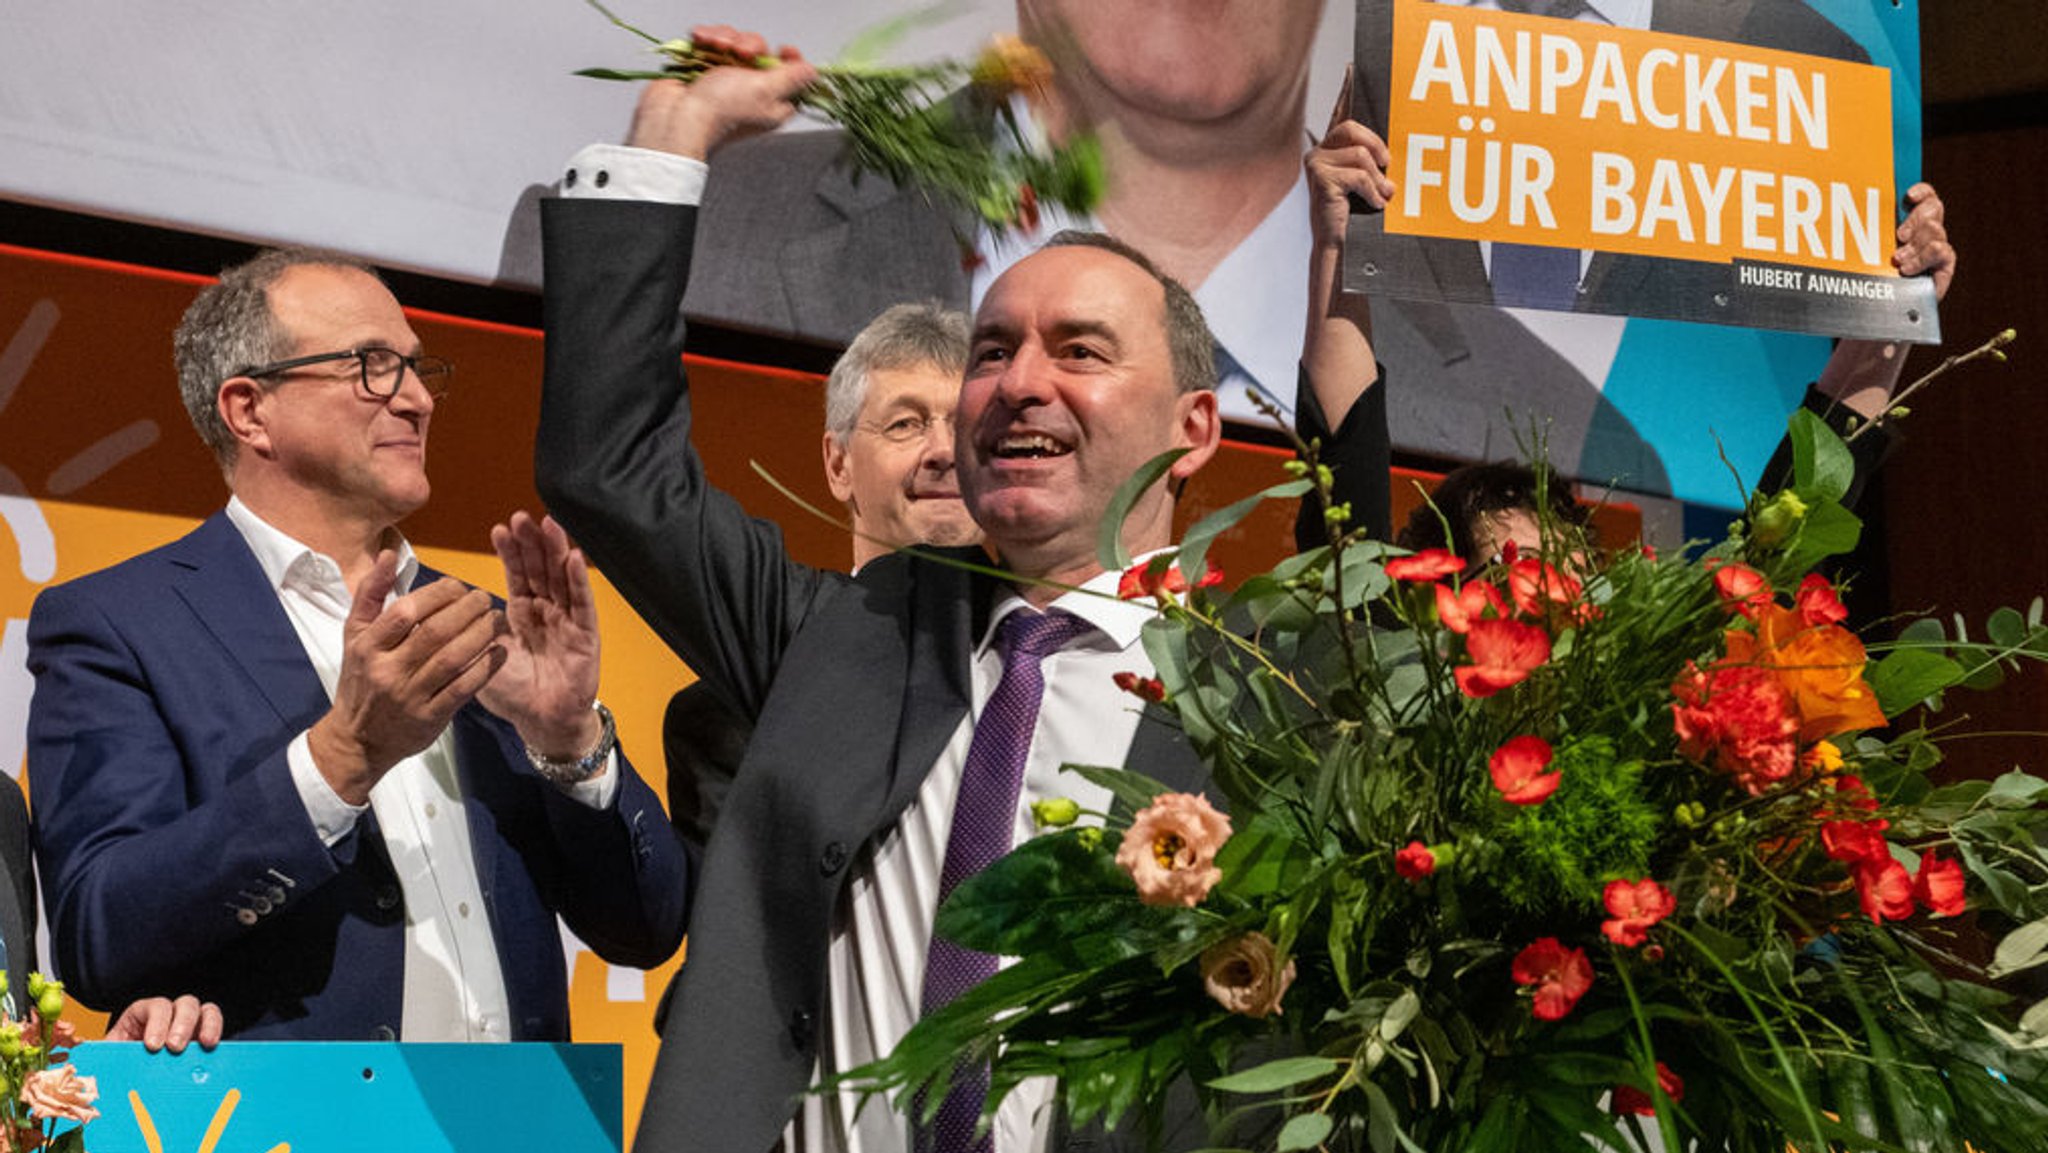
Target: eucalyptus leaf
[
  {"x": 1905, "y": 677},
  {"x": 1194, "y": 544},
  {"x": 1276, "y": 1075},
  {"x": 1110, "y": 552},
  {"x": 2022, "y": 948},
  {"x": 1304, "y": 1131}
]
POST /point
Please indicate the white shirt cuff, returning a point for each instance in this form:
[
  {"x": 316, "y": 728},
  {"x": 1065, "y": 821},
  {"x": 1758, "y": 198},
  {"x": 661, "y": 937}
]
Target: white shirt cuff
[
  {"x": 620, "y": 172},
  {"x": 332, "y": 816},
  {"x": 600, "y": 791}
]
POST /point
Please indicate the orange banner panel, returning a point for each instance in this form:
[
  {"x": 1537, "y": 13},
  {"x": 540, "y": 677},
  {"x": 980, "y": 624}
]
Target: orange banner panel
[{"x": 1570, "y": 134}]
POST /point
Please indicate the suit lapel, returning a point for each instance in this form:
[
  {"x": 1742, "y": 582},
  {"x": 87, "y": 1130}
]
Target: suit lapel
[
  {"x": 219, "y": 580},
  {"x": 947, "y": 609}
]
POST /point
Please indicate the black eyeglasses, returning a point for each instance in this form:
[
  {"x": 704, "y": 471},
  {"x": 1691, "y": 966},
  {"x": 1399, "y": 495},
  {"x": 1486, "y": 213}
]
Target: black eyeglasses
[{"x": 383, "y": 369}]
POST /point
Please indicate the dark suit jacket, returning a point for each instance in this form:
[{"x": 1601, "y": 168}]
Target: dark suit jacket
[
  {"x": 855, "y": 684},
  {"x": 167, "y": 690},
  {"x": 17, "y": 894}
]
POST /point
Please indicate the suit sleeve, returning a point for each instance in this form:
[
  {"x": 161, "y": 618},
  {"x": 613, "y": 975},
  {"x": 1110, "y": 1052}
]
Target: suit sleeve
[
  {"x": 149, "y": 861},
  {"x": 1359, "y": 456},
  {"x": 614, "y": 458}
]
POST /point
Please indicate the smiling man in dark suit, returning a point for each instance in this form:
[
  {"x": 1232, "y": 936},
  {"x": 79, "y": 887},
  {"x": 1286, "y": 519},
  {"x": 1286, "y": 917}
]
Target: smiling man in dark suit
[
  {"x": 875, "y": 698},
  {"x": 282, "y": 765}
]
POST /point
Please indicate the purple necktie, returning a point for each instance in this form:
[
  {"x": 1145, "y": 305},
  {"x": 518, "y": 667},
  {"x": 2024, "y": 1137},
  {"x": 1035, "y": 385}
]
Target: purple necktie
[{"x": 983, "y": 818}]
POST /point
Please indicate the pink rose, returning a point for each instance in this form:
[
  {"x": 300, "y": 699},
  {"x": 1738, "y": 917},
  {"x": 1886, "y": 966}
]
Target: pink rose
[
  {"x": 1243, "y": 977},
  {"x": 60, "y": 1094},
  {"x": 1170, "y": 849}
]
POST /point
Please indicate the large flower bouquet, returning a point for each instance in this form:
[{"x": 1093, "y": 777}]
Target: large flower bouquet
[
  {"x": 950, "y": 128},
  {"x": 1572, "y": 850}
]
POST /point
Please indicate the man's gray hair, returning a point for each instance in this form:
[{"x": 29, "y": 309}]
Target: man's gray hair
[
  {"x": 230, "y": 328},
  {"x": 926, "y": 334},
  {"x": 1189, "y": 342}
]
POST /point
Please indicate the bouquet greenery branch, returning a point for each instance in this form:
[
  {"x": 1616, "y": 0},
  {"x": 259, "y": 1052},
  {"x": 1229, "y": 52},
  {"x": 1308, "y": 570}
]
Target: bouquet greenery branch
[
  {"x": 1571, "y": 848},
  {"x": 39, "y": 1090},
  {"x": 949, "y": 128}
]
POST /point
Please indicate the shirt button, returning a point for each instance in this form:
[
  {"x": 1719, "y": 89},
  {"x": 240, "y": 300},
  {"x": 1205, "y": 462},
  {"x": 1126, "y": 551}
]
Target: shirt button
[
  {"x": 832, "y": 859},
  {"x": 432, "y": 811},
  {"x": 462, "y": 907}
]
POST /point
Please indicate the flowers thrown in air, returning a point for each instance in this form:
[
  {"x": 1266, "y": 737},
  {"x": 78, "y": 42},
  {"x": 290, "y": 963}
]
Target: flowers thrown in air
[
  {"x": 1518, "y": 771},
  {"x": 1503, "y": 654},
  {"x": 1414, "y": 861},
  {"x": 60, "y": 1094},
  {"x": 1559, "y": 974},
  {"x": 1634, "y": 906},
  {"x": 1245, "y": 976},
  {"x": 1629, "y": 1099},
  {"x": 1144, "y": 688},
  {"x": 1428, "y": 565},
  {"x": 1170, "y": 849}
]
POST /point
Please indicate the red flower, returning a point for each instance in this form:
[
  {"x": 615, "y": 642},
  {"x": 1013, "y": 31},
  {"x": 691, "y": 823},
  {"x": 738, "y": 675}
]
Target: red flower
[
  {"x": 1457, "y": 610},
  {"x": 1852, "y": 795},
  {"x": 1817, "y": 602},
  {"x": 1538, "y": 587},
  {"x": 1636, "y": 906},
  {"x": 1144, "y": 688},
  {"x": 1428, "y": 565},
  {"x": 1738, "y": 719},
  {"x": 1414, "y": 861},
  {"x": 1561, "y": 976},
  {"x": 1742, "y": 589},
  {"x": 1856, "y": 842},
  {"x": 1885, "y": 889},
  {"x": 1939, "y": 885},
  {"x": 1629, "y": 1099},
  {"x": 1517, "y": 769},
  {"x": 1503, "y": 653},
  {"x": 1144, "y": 579}
]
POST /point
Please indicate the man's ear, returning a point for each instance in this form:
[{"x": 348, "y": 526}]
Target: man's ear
[
  {"x": 1199, "y": 428},
  {"x": 244, "y": 408},
  {"x": 838, "y": 468}
]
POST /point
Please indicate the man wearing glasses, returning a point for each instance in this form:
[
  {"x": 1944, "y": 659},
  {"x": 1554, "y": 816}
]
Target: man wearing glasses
[{"x": 279, "y": 764}]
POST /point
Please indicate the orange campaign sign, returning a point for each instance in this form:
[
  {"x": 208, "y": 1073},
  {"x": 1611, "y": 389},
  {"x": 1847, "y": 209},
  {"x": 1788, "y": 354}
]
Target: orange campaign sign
[
  {"x": 1581, "y": 135},
  {"x": 1743, "y": 181}
]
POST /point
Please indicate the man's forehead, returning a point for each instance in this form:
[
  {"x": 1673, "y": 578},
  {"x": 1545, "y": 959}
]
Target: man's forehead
[
  {"x": 1074, "y": 286},
  {"x": 929, "y": 385}
]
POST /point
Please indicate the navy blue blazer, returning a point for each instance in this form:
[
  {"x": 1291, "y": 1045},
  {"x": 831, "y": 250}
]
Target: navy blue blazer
[{"x": 177, "y": 857}]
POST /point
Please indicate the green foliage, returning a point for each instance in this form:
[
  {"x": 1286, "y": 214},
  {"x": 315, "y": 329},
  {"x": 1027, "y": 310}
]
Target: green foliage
[{"x": 1324, "y": 697}]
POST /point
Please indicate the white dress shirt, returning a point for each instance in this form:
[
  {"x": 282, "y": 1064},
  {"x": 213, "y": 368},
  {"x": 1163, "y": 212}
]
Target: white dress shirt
[{"x": 454, "y": 986}]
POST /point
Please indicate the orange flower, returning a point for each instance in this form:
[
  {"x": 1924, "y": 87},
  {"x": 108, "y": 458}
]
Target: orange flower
[
  {"x": 1742, "y": 589},
  {"x": 1241, "y": 974},
  {"x": 1629, "y": 1099},
  {"x": 1939, "y": 885},
  {"x": 1428, "y": 565},
  {"x": 1636, "y": 906},
  {"x": 60, "y": 1094},
  {"x": 1517, "y": 769},
  {"x": 1561, "y": 976},
  {"x": 1820, "y": 667},
  {"x": 1817, "y": 603},
  {"x": 1503, "y": 653},
  {"x": 1009, "y": 65},
  {"x": 1170, "y": 849},
  {"x": 1457, "y": 610}
]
